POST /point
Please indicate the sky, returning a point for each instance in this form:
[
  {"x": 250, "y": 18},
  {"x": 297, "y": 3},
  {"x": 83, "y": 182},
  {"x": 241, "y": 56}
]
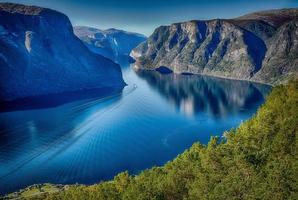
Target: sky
[{"x": 143, "y": 16}]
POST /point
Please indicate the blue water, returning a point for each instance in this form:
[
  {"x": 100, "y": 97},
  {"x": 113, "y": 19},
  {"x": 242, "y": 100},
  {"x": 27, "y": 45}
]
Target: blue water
[{"x": 152, "y": 120}]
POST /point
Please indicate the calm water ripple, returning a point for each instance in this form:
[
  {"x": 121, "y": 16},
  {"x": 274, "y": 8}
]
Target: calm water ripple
[{"x": 152, "y": 120}]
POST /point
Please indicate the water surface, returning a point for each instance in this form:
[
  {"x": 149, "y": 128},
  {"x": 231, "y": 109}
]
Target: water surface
[{"x": 152, "y": 120}]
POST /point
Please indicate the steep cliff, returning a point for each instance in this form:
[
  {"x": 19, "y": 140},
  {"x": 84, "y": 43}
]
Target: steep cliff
[
  {"x": 112, "y": 43},
  {"x": 39, "y": 54},
  {"x": 260, "y": 46},
  {"x": 281, "y": 59}
]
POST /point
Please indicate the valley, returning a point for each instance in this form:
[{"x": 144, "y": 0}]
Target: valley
[{"x": 200, "y": 109}]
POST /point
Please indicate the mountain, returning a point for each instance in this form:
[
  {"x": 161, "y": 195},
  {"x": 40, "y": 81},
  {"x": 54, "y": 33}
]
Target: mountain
[
  {"x": 39, "y": 54},
  {"x": 261, "y": 46},
  {"x": 111, "y": 43}
]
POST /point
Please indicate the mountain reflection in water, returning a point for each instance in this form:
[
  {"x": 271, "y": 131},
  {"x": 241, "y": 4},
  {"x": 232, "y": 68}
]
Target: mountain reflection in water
[{"x": 192, "y": 94}]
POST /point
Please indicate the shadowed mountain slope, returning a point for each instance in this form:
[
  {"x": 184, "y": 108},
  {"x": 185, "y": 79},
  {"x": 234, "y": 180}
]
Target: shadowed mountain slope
[{"x": 39, "y": 54}]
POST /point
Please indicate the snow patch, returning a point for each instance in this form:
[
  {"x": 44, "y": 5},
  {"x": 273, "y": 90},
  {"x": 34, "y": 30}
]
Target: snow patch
[
  {"x": 28, "y": 40},
  {"x": 115, "y": 42},
  {"x": 135, "y": 54}
]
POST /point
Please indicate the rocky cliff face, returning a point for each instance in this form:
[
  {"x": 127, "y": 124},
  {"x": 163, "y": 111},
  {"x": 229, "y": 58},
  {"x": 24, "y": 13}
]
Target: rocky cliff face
[
  {"x": 39, "y": 54},
  {"x": 111, "y": 43},
  {"x": 261, "y": 46}
]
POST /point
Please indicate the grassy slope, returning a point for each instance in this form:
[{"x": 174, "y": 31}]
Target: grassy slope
[{"x": 258, "y": 160}]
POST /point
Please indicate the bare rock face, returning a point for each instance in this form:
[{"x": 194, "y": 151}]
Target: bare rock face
[
  {"x": 281, "y": 60},
  {"x": 39, "y": 54},
  {"x": 260, "y": 46},
  {"x": 112, "y": 43}
]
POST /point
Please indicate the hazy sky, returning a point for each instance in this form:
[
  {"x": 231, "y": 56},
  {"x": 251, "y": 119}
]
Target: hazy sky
[{"x": 144, "y": 16}]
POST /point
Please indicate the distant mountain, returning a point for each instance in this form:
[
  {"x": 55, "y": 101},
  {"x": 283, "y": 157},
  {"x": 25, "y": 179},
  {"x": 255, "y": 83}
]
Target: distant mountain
[
  {"x": 111, "y": 43},
  {"x": 39, "y": 54},
  {"x": 261, "y": 46}
]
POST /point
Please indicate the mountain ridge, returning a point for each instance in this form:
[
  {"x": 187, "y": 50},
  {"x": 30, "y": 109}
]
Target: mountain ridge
[
  {"x": 112, "y": 43},
  {"x": 233, "y": 48}
]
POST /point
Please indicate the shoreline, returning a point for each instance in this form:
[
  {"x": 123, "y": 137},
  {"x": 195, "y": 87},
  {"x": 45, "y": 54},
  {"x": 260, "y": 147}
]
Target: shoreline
[{"x": 210, "y": 75}]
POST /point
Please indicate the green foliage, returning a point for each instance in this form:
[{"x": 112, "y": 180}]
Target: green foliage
[{"x": 258, "y": 160}]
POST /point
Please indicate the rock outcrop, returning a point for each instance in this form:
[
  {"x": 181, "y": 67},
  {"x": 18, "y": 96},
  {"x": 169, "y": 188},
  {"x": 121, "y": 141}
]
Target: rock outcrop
[
  {"x": 111, "y": 43},
  {"x": 39, "y": 54},
  {"x": 260, "y": 46}
]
